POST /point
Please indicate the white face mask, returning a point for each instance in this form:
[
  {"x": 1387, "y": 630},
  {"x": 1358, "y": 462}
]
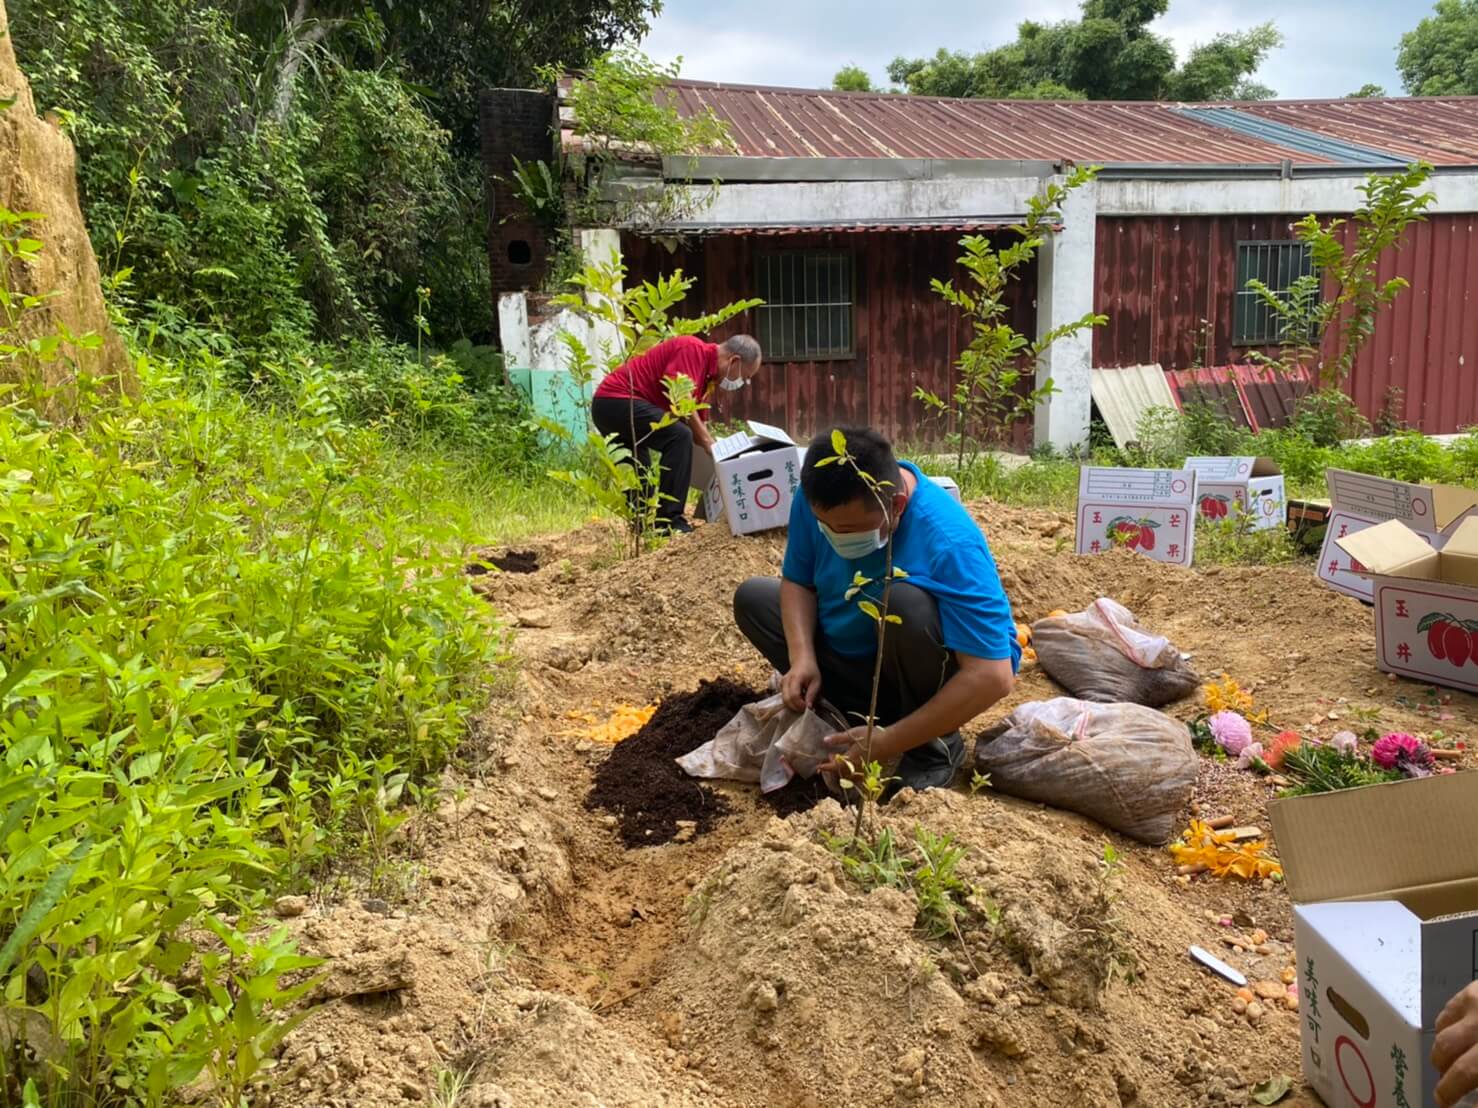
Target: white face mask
[
  {"x": 732, "y": 384},
  {"x": 853, "y": 546}
]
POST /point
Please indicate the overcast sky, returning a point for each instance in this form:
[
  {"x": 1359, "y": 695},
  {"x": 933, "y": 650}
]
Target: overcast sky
[{"x": 1332, "y": 47}]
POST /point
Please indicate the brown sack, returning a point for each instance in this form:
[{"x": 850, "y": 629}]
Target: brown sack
[
  {"x": 1128, "y": 767},
  {"x": 1102, "y": 654}
]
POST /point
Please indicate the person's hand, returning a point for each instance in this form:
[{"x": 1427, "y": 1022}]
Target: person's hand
[
  {"x": 850, "y": 758},
  {"x": 1455, "y": 1053},
  {"x": 801, "y": 685}
]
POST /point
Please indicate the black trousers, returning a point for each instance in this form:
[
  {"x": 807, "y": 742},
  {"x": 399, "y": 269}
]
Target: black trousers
[
  {"x": 916, "y": 664},
  {"x": 615, "y": 416}
]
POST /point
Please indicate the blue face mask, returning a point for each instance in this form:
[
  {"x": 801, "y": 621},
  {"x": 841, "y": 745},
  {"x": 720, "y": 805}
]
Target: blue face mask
[{"x": 853, "y": 546}]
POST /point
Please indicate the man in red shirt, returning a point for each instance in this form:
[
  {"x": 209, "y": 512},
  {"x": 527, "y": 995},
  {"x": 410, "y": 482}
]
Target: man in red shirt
[{"x": 633, "y": 397}]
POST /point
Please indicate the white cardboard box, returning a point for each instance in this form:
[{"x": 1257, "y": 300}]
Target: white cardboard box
[
  {"x": 1361, "y": 501},
  {"x": 949, "y": 486},
  {"x": 1227, "y": 487},
  {"x": 752, "y": 478},
  {"x": 1422, "y": 599},
  {"x": 1154, "y": 509},
  {"x": 1385, "y": 924}
]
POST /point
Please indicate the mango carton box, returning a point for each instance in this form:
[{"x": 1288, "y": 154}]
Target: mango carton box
[
  {"x": 1243, "y": 486},
  {"x": 1152, "y": 511},
  {"x": 1385, "y": 923},
  {"x": 1360, "y": 501},
  {"x": 751, "y": 479},
  {"x": 1426, "y": 601}
]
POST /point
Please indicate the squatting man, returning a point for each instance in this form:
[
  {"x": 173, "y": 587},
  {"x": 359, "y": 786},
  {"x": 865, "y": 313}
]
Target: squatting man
[{"x": 954, "y": 655}]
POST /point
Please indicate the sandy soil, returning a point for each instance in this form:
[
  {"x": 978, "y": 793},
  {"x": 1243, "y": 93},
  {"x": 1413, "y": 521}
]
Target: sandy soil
[{"x": 550, "y": 964}]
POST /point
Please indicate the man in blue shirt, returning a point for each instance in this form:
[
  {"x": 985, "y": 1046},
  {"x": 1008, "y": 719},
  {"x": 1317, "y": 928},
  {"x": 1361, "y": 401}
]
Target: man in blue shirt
[{"x": 953, "y": 656}]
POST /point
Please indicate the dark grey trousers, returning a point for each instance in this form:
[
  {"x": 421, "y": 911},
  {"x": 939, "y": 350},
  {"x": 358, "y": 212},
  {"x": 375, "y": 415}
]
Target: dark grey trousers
[{"x": 916, "y": 665}]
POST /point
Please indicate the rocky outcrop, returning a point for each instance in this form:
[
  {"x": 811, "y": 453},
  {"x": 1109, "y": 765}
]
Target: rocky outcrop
[{"x": 38, "y": 173}]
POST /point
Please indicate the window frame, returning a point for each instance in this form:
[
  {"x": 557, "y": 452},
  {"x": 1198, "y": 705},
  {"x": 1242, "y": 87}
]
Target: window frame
[
  {"x": 1242, "y": 295},
  {"x": 772, "y": 351}
]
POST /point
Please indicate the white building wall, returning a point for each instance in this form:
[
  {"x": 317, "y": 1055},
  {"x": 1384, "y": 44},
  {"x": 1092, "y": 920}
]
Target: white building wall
[{"x": 1065, "y": 293}]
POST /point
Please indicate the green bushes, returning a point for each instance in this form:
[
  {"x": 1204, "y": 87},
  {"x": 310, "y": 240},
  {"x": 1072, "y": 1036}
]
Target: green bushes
[{"x": 229, "y": 641}]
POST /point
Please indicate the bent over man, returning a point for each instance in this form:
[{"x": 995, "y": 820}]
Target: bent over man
[
  {"x": 955, "y": 653},
  {"x": 633, "y": 397}
]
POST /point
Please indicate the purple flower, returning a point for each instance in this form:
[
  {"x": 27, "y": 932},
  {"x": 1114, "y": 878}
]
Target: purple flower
[
  {"x": 1345, "y": 742},
  {"x": 1231, "y": 732},
  {"x": 1250, "y": 753}
]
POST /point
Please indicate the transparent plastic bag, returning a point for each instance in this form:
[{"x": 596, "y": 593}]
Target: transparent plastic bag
[
  {"x": 1127, "y": 766},
  {"x": 1103, "y": 654},
  {"x": 765, "y": 743}
]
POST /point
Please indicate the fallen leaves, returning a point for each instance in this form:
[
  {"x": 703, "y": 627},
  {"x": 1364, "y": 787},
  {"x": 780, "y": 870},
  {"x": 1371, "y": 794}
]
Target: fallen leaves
[{"x": 1221, "y": 855}]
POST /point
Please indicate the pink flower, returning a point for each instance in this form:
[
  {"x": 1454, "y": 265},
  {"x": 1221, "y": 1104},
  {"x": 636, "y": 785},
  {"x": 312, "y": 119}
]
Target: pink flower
[
  {"x": 1231, "y": 731},
  {"x": 1389, "y": 749},
  {"x": 1345, "y": 742},
  {"x": 1250, "y": 753},
  {"x": 1405, "y": 753}
]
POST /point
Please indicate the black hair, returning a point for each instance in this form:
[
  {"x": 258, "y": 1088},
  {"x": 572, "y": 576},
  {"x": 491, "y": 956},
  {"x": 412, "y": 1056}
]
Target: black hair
[{"x": 831, "y": 486}]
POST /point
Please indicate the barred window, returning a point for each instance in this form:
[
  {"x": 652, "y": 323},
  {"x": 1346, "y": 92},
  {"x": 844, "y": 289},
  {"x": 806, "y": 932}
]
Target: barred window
[
  {"x": 807, "y": 314},
  {"x": 1278, "y": 265}
]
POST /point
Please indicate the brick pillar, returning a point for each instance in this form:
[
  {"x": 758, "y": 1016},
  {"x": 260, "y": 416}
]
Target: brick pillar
[{"x": 515, "y": 123}]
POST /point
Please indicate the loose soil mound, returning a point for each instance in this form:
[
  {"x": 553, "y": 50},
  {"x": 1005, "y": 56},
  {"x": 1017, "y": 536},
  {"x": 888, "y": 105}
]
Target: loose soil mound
[
  {"x": 744, "y": 968},
  {"x": 644, "y": 787}
]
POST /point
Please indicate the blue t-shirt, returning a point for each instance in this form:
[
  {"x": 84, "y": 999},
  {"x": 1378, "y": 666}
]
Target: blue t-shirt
[{"x": 943, "y": 552}]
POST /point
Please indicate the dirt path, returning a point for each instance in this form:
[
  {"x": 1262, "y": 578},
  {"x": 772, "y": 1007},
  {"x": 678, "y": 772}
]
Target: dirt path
[{"x": 549, "y": 964}]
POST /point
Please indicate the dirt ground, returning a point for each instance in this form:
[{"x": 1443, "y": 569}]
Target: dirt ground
[{"x": 736, "y": 965}]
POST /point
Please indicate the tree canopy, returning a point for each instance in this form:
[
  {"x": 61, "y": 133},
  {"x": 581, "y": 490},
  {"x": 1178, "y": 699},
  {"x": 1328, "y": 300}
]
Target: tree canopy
[
  {"x": 1440, "y": 56},
  {"x": 852, "y": 78},
  {"x": 1109, "y": 54}
]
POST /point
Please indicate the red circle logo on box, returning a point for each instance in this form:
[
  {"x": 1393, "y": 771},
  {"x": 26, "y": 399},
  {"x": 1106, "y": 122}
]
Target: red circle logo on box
[
  {"x": 1269, "y": 506},
  {"x": 766, "y": 496},
  {"x": 1368, "y": 1100},
  {"x": 1177, "y": 486},
  {"x": 1418, "y": 507}
]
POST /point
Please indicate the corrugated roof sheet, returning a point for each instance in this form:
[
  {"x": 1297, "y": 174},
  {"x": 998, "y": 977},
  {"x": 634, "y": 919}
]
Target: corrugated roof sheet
[
  {"x": 792, "y": 228},
  {"x": 1440, "y": 130},
  {"x": 1124, "y": 395},
  {"x": 811, "y": 123}
]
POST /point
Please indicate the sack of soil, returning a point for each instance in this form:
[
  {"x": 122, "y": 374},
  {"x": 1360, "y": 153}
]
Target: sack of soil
[
  {"x": 1101, "y": 653},
  {"x": 766, "y": 743},
  {"x": 1128, "y": 767}
]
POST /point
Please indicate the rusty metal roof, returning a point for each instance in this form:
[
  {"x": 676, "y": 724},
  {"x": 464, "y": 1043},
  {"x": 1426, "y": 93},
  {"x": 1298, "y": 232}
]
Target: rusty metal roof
[
  {"x": 1440, "y": 130},
  {"x": 810, "y": 123},
  {"x": 963, "y": 224}
]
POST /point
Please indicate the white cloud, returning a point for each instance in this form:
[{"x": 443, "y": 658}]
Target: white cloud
[{"x": 1332, "y": 46}]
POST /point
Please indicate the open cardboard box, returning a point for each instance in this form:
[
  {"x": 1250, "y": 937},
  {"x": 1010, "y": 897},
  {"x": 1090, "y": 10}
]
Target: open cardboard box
[
  {"x": 751, "y": 478},
  {"x": 1426, "y": 601},
  {"x": 1385, "y": 919},
  {"x": 1230, "y": 487},
  {"x": 1361, "y": 501}
]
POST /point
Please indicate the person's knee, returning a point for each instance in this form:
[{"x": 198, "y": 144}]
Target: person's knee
[
  {"x": 918, "y": 610},
  {"x": 754, "y": 597}
]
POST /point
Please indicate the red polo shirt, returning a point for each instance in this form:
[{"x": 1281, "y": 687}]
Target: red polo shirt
[{"x": 643, "y": 375}]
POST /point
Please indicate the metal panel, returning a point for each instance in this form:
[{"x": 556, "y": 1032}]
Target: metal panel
[
  {"x": 810, "y": 123},
  {"x": 1213, "y": 388},
  {"x": 1168, "y": 286},
  {"x": 1440, "y": 130},
  {"x": 1269, "y": 397},
  {"x": 1294, "y": 138},
  {"x": 1124, "y": 395}
]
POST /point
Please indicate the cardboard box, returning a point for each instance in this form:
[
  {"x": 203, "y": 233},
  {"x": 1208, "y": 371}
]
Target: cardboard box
[
  {"x": 1229, "y": 487},
  {"x": 949, "y": 486},
  {"x": 1422, "y": 598},
  {"x": 751, "y": 479},
  {"x": 1385, "y": 924},
  {"x": 1362, "y": 501},
  {"x": 1152, "y": 509},
  {"x": 1308, "y": 521}
]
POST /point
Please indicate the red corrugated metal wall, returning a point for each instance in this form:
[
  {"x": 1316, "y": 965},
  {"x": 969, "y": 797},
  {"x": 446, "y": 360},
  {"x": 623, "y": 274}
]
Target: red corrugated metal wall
[
  {"x": 905, "y": 336},
  {"x": 1159, "y": 277}
]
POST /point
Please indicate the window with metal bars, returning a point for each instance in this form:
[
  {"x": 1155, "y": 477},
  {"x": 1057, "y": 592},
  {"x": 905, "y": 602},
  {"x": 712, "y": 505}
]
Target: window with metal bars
[
  {"x": 1278, "y": 265},
  {"x": 807, "y": 314}
]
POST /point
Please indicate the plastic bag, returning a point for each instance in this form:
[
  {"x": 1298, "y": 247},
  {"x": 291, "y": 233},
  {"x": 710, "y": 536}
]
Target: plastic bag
[
  {"x": 1128, "y": 767},
  {"x": 765, "y": 743},
  {"x": 1101, "y": 653}
]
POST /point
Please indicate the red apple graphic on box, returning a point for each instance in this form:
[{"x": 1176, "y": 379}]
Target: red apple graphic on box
[
  {"x": 1449, "y": 639},
  {"x": 1214, "y": 507}
]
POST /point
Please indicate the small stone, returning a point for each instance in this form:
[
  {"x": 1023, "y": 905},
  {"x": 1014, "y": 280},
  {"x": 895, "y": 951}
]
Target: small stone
[
  {"x": 765, "y": 997},
  {"x": 288, "y": 907},
  {"x": 411, "y": 1091},
  {"x": 546, "y": 793},
  {"x": 608, "y": 821},
  {"x": 1291, "y": 1002},
  {"x": 1263, "y": 948},
  {"x": 911, "y": 1060},
  {"x": 1239, "y": 1005},
  {"x": 375, "y": 906},
  {"x": 1255, "y": 1011},
  {"x": 1270, "y": 990}
]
